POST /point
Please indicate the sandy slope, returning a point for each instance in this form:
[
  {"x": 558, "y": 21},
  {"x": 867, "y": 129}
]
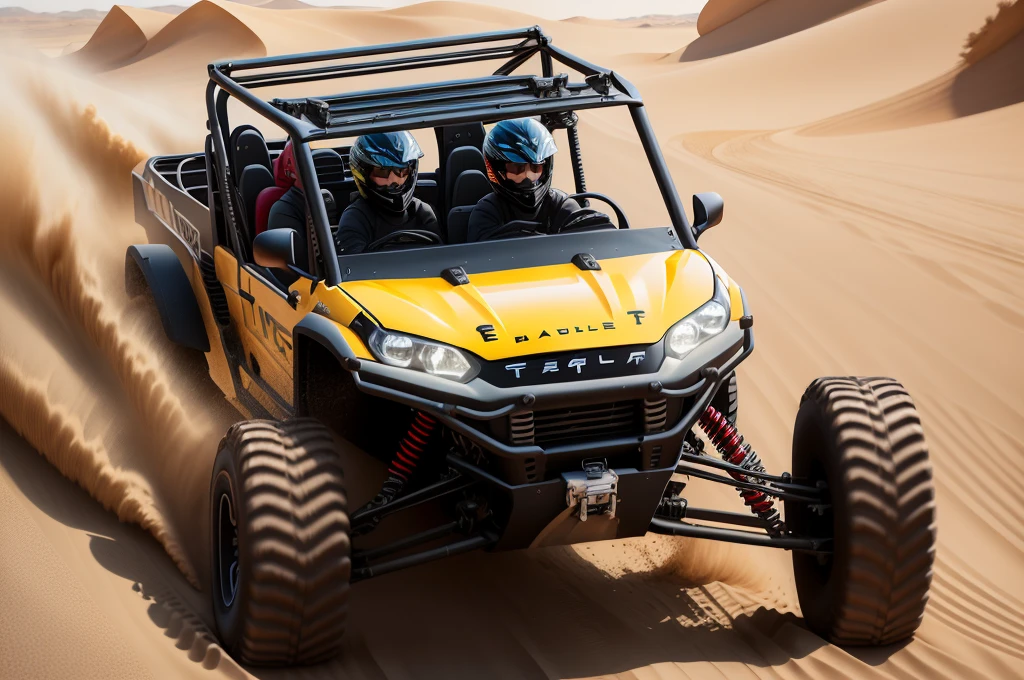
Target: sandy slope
[
  {"x": 735, "y": 25},
  {"x": 121, "y": 35},
  {"x": 875, "y": 229}
]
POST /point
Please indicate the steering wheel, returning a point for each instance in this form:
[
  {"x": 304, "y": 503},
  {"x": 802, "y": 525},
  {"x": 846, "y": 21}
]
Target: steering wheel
[
  {"x": 407, "y": 236},
  {"x": 619, "y": 215},
  {"x": 514, "y": 229},
  {"x": 585, "y": 219}
]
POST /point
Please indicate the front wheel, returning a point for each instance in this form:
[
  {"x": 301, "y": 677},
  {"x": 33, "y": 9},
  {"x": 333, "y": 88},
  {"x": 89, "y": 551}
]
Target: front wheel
[
  {"x": 862, "y": 438},
  {"x": 280, "y": 534}
]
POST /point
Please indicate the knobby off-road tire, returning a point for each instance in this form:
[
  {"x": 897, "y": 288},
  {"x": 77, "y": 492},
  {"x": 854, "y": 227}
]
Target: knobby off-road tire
[
  {"x": 281, "y": 553},
  {"x": 727, "y": 399},
  {"x": 863, "y": 437}
]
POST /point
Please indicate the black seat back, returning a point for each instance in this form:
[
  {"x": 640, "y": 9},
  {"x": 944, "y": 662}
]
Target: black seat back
[
  {"x": 450, "y": 138},
  {"x": 330, "y": 166},
  {"x": 470, "y": 187},
  {"x": 331, "y": 172},
  {"x": 248, "y": 148},
  {"x": 331, "y": 205},
  {"x": 459, "y": 161}
]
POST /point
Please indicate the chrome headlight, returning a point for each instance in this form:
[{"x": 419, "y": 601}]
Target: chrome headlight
[
  {"x": 704, "y": 323},
  {"x": 406, "y": 351}
]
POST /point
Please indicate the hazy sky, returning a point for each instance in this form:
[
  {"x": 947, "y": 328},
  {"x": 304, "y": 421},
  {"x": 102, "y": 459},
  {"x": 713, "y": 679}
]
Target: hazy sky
[{"x": 555, "y": 9}]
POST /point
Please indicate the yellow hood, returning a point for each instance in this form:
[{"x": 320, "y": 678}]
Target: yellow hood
[{"x": 631, "y": 300}]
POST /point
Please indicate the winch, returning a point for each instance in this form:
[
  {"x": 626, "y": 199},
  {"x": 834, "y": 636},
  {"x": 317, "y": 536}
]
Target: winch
[{"x": 594, "y": 489}]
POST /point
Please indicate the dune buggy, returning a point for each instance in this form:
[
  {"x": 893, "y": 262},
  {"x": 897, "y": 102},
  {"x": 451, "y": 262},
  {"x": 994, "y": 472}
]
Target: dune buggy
[{"x": 530, "y": 391}]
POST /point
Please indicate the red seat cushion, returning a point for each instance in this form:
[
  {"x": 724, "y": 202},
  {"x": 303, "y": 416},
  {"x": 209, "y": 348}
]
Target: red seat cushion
[
  {"x": 285, "y": 176},
  {"x": 264, "y": 202}
]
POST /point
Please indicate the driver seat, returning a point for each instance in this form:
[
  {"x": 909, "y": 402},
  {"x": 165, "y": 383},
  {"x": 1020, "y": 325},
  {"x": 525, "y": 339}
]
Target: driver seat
[{"x": 470, "y": 187}]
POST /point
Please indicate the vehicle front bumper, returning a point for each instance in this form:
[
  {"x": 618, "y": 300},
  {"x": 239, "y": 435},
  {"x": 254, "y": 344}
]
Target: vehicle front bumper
[{"x": 526, "y": 509}]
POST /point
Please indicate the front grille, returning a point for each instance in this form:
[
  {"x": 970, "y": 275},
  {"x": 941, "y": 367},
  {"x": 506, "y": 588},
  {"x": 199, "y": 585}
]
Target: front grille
[
  {"x": 655, "y": 414},
  {"x": 521, "y": 428},
  {"x": 584, "y": 423}
]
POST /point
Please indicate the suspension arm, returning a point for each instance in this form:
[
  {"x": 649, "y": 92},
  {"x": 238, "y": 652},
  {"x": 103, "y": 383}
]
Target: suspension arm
[
  {"x": 427, "y": 493},
  {"x": 784, "y": 481},
  {"x": 403, "y": 543},
  {"x": 456, "y": 548},
  {"x": 751, "y": 486},
  {"x": 673, "y": 528},
  {"x": 724, "y": 517}
]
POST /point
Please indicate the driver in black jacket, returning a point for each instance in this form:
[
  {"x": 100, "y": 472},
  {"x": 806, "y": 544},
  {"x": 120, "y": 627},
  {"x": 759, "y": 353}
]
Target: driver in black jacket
[
  {"x": 384, "y": 166},
  {"x": 519, "y": 155}
]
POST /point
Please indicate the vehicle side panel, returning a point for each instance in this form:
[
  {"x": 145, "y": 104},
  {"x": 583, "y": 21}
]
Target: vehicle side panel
[{"x": 249, "y": 345}]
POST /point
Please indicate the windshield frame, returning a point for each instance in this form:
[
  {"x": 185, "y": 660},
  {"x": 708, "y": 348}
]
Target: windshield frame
[{"x": 506, "y": 254}]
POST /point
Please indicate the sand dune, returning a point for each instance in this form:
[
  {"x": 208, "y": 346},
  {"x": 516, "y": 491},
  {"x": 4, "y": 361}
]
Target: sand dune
[
  {"x": 122, "y": 34},
  {"x": 740, "y": 25},
  {"x": 717, "y": 13},
  {"x": 999, "y": 29},
  {"x": 875, "y": 199},
  {"x": 991, "y": 77},
  {"x": 202, "y": 33},
  {"x": 775, "y": 86}
]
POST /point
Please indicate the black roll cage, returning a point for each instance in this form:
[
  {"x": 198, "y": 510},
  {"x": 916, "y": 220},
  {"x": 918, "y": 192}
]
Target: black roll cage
[{"x": 486, "y": 99}]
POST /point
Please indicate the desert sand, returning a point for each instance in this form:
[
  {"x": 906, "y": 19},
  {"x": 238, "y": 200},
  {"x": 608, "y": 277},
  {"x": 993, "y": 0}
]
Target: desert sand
[{"x": 870, "y": 156}]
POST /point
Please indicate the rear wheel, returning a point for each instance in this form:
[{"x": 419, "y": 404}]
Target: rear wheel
[
  {"x": 280, "y": 532},
  {"x": 863, "y": 438}
]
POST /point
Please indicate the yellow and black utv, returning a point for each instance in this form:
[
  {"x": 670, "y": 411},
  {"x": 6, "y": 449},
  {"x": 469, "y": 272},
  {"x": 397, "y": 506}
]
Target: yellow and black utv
[{"x": 527, "y": 391}]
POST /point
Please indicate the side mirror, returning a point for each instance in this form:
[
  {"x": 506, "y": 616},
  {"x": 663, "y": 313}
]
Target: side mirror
[
  {"x": 275, "y": 248},
  {"x": 707, "y": 212}
]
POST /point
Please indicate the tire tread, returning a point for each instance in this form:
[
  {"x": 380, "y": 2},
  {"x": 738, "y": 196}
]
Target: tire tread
[
  {"x": 884, "y": 467},
  {"x": 292, "y": 487}
]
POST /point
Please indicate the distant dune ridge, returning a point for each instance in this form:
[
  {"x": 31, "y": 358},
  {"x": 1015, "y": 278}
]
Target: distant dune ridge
[
  {"x": 869, "y": 154},
  {"x": 122, "y": 34},
  {"x": 717, "y": 13},
  {"x": 205, "y": 31},
  {"x": 129, "y": 34},
  {"x": 990, "y": 77},
  {"x": 731, "y": 25}
]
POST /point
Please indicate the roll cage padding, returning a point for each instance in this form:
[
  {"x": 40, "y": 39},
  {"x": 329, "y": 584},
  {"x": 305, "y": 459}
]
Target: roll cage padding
[{"x": 155, "y": 267}]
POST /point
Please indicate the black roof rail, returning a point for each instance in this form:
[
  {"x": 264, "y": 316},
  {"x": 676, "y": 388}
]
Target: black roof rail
[{"x": 486, "y": 98}]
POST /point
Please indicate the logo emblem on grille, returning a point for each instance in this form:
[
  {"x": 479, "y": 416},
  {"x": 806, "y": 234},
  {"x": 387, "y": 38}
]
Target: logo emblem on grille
[
  {"x": 517, "y": 368},
  {"x": 579, "y": 363}
]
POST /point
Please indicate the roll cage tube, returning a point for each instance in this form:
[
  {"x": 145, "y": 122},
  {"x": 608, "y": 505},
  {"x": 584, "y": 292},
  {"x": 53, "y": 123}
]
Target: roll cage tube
[
  {"x": 216, "y": 100},
  {"x": 220, "y": 152},
  {"x": 327, "y": 263},
  {"x": 494, "y": 98},
  {"x": 663, "y": 176}
]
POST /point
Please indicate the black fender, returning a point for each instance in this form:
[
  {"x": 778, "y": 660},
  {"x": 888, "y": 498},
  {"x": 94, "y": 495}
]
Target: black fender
[
  {"x": 315, "y": 329},
  {"x": 326, "y": 390},
  {"x": 155, "y": 267}
]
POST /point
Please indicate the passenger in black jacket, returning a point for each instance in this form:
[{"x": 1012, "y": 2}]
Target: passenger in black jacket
[
  {"x": 384, "y": 166},
  {"x": 519, "y": 155}
]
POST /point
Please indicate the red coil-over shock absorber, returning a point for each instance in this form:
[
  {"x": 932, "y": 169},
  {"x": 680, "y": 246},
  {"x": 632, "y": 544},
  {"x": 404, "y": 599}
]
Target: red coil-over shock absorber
[
  {"x": 412, "y": 446},
  {"x": 729, "y": 443},
  {"x": 403, "y": 465}
]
